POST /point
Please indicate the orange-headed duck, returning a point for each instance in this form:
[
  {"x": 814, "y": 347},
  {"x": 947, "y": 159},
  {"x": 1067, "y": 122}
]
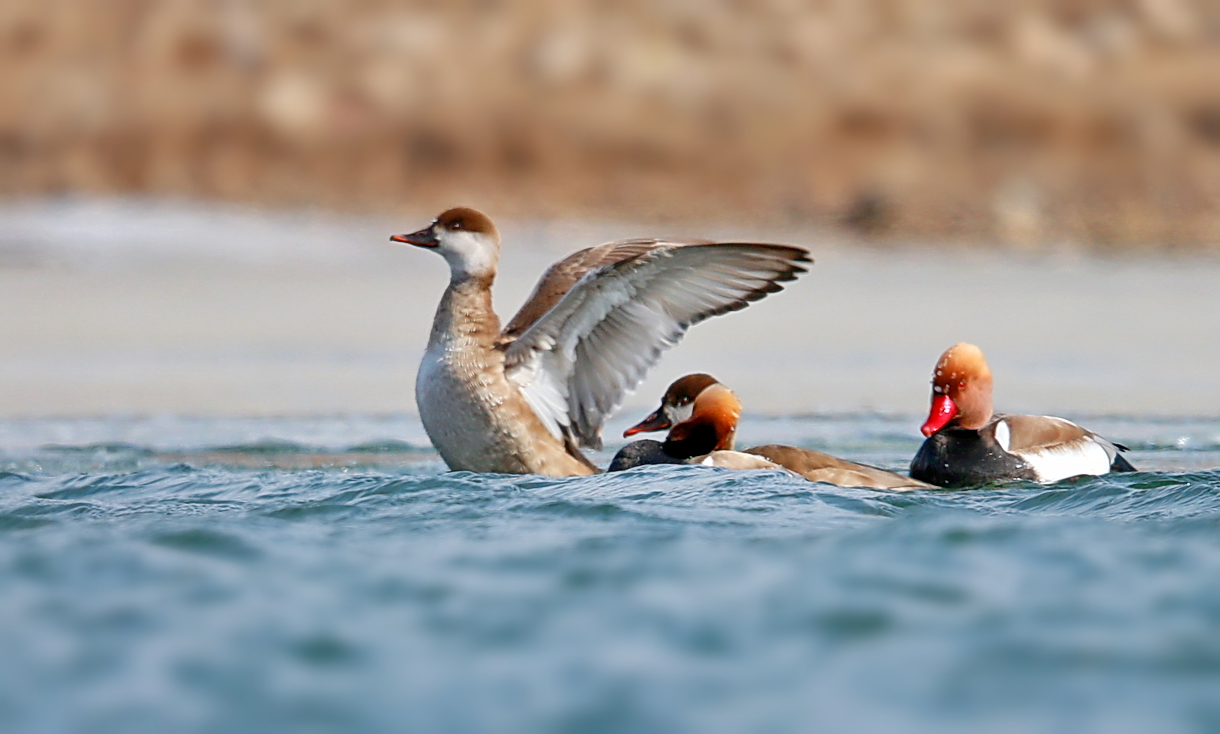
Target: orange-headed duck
[
  {"x": 701, "y": 415},
  {"x": 527, "y": 398},
  {"x": 968, "y": 445}
]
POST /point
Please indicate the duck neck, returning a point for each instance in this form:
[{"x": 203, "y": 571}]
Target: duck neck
[
  {"x": 701, "y": 435},
  {"x": 974, "y": 404},
  {"x": 698, "y": 439},
  {"x": 465, "y": 315}
]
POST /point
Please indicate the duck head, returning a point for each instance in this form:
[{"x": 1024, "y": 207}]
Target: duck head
[
  {"x": 466, "y": 238},
  {"x": 701, "y": 414},
  {"x": 677, "y": 404},
  {"x": 961, "y": 390}
]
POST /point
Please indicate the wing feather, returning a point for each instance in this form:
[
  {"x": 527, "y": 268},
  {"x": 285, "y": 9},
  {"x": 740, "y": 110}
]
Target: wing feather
[
  {"x": 560, "y": 277},
  {"x": 600, "y": 333},
  {"x": 1057, "y": 448}
]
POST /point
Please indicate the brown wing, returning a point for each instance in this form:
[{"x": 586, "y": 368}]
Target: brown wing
[
  {"x": 560, "y": 277},
  {"x": 1034, "y": 432},
  {"x": 576, "y": 361},
  {"x": 1046, "y": 443},
  {"x": 818, "y": 467},
  {"x": 1056, "y": 448}
]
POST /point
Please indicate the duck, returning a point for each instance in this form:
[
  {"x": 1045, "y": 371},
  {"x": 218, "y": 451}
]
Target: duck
[
  {"x": 527, "y": 398},
  {"x": 966, "y": 444},
  {"x": 702, "y": 415}
]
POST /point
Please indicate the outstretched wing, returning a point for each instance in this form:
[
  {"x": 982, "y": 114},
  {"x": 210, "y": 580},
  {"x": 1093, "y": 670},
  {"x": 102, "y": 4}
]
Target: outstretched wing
[
  {"x": 560, "y": 277},
  {"x": 594, "y": 342}
]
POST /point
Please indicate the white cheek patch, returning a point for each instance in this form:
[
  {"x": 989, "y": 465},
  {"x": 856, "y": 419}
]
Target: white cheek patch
[
  {"x": 468, "y": 253},
  {"x": 1003, "y": 436},
  {"x": 680, "y": 413},
  {"x": 1071, "y": 459}
]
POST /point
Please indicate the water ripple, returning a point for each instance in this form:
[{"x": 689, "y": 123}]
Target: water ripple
[{"x": 207, "y": 590}]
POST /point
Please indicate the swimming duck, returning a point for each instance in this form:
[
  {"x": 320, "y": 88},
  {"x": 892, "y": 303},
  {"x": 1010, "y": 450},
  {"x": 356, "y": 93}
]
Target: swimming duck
[
  {"x": 701, "y": 415},
  {"x": 966, "y": 444},
  {"x": 526, "y": 399}
]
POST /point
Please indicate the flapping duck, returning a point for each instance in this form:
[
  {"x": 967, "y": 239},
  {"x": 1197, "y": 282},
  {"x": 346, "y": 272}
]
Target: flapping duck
[
  {"x": 527, "y": 398},
  {"x": 701, "y": 415},
  {"x": 966, "y": 444}
]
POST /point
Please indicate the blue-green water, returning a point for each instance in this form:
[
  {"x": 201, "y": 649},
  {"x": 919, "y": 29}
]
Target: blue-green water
[{"x": 325, "y": 575}]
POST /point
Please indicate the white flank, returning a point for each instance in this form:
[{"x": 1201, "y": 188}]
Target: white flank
[
  {"x": 1064, "y": 460},
  {"x": 727, "y": 459}
]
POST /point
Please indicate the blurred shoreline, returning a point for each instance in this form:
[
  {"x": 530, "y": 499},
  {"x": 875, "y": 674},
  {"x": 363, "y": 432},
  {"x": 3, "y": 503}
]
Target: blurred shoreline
[
  {"x": 1026, "y": 124},
  {"x": 135, "y": 307}
]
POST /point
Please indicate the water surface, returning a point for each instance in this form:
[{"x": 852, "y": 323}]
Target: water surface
[{"x": 170, "y": 574}]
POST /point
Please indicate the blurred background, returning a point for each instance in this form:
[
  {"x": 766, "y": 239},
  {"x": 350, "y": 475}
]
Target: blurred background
[
  {"x": 197, "y": 194},
  {"x": 1088, "y": 121}
]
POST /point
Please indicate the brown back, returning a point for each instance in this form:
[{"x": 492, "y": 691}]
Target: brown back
[
  {"x": 819, "y": 467},
  {"x": 1038, "y": 431}
]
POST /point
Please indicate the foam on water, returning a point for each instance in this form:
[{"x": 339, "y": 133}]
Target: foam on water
[{"x": 327, "y": 575}]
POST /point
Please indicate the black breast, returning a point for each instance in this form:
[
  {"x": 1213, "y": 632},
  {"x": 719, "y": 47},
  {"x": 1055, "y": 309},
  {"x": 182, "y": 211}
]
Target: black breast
[
  {"x": 639, "y": 453},
  {"x": 700, "y": 439},
  {"x": 959, "y": 457}
]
